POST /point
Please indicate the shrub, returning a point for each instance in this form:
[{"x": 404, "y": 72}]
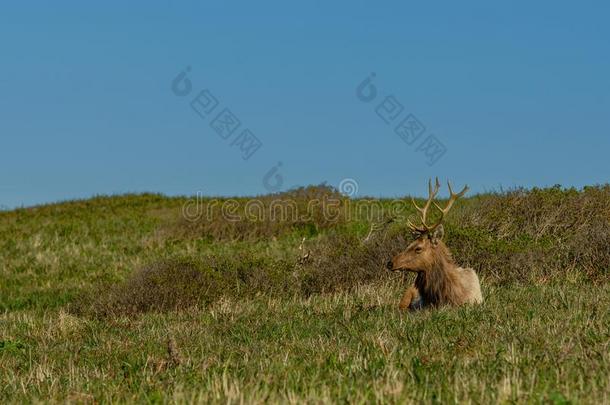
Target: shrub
[
  {"x": 542, "y": 233},
  {"x": 341, "y": 261},
  {"x": 177, "y": 284},
  {"x": 305, "y": 211}
]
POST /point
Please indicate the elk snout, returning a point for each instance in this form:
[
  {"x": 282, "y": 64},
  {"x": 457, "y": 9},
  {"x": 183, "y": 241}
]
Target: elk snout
[{"x": 389, "y": 265}]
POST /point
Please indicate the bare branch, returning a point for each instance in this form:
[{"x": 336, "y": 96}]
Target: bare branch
[{"x": 376, "y": 227}]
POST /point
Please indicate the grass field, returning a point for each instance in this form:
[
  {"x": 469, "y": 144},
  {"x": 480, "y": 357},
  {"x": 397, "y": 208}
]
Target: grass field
[{"x": 120, "y": 299}]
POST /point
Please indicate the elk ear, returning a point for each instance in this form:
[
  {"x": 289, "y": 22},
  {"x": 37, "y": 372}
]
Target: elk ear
[{"x": 437, "y": 235}]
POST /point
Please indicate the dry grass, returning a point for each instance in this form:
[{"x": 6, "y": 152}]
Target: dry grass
[
  {"x": 524, "y": 344},
  {"x": 219, "y": 319}
]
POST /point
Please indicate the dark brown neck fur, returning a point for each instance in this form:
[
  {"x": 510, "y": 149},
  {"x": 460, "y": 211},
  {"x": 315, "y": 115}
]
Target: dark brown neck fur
[{"x": 438, "y": 285}]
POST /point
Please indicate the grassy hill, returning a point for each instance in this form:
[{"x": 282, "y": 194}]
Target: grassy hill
[{"x": 149, "y": 298}]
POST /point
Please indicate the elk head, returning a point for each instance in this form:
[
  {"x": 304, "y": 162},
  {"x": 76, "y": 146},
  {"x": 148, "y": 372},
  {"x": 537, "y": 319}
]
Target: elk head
[{"x": 428, "y": 248}]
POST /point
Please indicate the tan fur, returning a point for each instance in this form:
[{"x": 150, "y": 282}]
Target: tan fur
[
  {"x": 409, "y": 296},
  {"x": 439, "y": 280}
]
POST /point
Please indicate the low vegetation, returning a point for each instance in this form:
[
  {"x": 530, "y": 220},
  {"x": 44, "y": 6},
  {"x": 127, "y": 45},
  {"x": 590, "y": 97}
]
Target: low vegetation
[{"x": 125, "y": 299}]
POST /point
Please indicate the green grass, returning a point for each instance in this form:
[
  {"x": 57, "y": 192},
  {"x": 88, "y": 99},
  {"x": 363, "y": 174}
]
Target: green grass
[{"x": 540, "y": 336}]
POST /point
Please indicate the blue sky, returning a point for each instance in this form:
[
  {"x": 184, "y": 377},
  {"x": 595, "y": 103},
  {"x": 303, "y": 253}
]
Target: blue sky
[{"x": 517, "y": 94}]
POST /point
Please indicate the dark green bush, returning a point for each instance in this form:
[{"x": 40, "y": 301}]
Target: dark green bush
[
  {"x": 179, "y": 284},
  {"x": 341, "y": 261}
]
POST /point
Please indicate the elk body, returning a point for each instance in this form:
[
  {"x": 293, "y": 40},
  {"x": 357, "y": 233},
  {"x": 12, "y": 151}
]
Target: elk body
[{"x": 439, "y": 280}]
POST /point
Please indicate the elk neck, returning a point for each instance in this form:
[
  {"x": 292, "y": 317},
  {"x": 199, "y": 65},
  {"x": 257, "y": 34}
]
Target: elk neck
[{"x": 438, "y": 284}]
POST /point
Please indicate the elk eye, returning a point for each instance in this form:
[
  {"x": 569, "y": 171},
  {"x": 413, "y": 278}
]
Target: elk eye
[{"x": 418, "y": 250}]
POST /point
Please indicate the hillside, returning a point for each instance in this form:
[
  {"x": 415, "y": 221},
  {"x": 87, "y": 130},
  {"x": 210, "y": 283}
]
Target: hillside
[{"x": 150, "y": 298}]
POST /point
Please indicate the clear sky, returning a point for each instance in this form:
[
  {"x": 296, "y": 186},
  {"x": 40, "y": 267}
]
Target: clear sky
[{"x": 517, "y": 93}]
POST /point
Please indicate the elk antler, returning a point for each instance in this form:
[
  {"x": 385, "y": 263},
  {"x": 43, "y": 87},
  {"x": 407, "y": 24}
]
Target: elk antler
[
  {"x": 452, "y": 199},
  {"x": 432, "y": 192},
  {"x": 425, "y": 228}
]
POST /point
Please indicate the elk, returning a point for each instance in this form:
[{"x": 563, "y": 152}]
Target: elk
[{"x": 439, "y": 280}]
